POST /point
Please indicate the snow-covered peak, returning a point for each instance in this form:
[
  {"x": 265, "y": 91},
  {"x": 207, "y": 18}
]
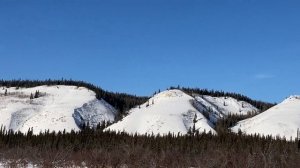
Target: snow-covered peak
[
  {"x": 281, "y": 120},
  {"x": 53, "y": 109},
  {"x": 170, "y": 94},
  {"x": 168, "y": 111},
  {"x": 292, "y": 98}
]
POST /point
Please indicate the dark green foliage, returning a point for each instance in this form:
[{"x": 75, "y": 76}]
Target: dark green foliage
[
  {"x": 31, "y": 96},
  {"x": 223, "y": 125},
  {"x": 37, "y": 94},
  {"x": 95, "y": 147}
]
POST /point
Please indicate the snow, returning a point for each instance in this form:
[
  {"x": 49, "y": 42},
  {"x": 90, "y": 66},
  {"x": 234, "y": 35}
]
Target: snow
[
  {"x": 53, "y": 110},
  {"x": 169, "y": 111},
  {"x": 281, "y": 120},
  {"x": 229, "y": 105},
  {"x": 219, "y": 107},
  {"x": 17, "y": 163}
]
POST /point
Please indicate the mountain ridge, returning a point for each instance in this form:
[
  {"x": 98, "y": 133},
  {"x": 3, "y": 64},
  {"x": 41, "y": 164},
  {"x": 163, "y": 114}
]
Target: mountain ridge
[{"x": 119, "y": 105}]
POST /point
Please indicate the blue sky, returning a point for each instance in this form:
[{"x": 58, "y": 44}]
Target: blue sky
[{"x": 137, "y": 46}]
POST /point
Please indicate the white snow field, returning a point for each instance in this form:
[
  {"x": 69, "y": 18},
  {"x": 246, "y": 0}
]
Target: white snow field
[
  {"x": 169, "y": 111},
  {"x": 58, "y": 108},
  {"x": 281, "y": 120},
  {"x": 219, "y": 107}
]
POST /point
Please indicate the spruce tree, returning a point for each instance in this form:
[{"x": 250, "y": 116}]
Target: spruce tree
[{"x": 36, "y": 95}]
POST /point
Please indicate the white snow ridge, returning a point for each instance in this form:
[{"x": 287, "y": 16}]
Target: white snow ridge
[
  {"x": 281, "y": 120},
  {"x": 169, "y": 111},
  {"x": 54, "y": 109}
]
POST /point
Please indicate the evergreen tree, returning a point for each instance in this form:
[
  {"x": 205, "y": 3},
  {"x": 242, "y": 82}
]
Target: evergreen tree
[
  {"x": 195, "y": 118},
  {"x": 31, "y": 96},
  {"x": 194, "y": 128},
  {"x": 37, "y": 93}
]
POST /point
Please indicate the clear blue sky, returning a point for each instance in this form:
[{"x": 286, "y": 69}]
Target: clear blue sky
[{"x": 246, "y": 46}]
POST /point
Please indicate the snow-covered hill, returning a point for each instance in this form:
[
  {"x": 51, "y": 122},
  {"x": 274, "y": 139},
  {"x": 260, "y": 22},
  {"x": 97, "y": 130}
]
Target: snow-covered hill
[
  {"x": 57, "y": 108},
  {"x": 281, "y": 120},
  {"x": 169, "y": 111},
  {"x": 219, "y": 107}
]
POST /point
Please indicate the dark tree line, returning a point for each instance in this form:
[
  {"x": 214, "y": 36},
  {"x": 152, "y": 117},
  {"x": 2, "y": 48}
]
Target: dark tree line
[
  {"x": 223, "y": 125},
  {"x": 102, "y": 149}
]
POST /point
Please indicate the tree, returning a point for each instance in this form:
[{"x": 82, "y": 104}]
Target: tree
[
  {"x": 194, "y": 123},
  {"x": 190, "y": 131},
  {"x": 37, "y": 93},
  {"x": 194, "y": 129},
  {"x": 195, "y": 118},
  {"x": 298, "y": 139}
]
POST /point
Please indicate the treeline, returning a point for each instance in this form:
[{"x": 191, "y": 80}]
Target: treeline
[
  {"x": 121, "y": 101},
  {"x": 95, "y": 148},
  {"x": 258, "y": 104}
]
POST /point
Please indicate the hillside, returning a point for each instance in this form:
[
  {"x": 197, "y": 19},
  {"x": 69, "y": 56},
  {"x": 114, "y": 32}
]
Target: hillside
[
  {"x": 168, "y": 111},
  {"x": 219, "y": 107},
  {"x": 55, "y": 108},
  {"x": 281, "y": 120},
  {"x": 67, "y": 104}
]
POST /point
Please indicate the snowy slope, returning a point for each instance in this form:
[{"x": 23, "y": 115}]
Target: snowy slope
[
  {"x": 168, "y": 111},
  {"x": 229, "y": 105},
  {"x": 219, "y": 107},
  {"x": 53, "y": 110},
  {"x": 282, "y": 120}
]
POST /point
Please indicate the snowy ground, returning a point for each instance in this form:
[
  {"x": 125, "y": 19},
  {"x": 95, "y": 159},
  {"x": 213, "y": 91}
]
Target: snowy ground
[
  {"x": 8, "y": 164},
  {"x": 168, "y": 111},
  {"x": 53, "y": 110},
  {"x": 282, "y": 120}
]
